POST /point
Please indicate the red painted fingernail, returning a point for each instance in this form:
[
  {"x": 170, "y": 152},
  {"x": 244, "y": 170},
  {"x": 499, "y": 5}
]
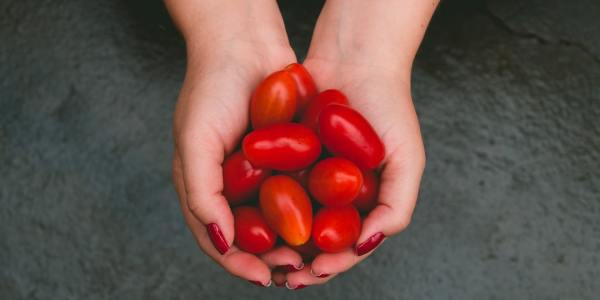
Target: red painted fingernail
[
  {"x": 217, "y": 238},
  {"x": 279, "y": 284},
  {"x": 292, "y": 268},
  {"x": 370, "y": 244},
  {"x": 319, "y": 275},
  {"x": 298, "y": 287},
  {"x": 256, "y": 282}
]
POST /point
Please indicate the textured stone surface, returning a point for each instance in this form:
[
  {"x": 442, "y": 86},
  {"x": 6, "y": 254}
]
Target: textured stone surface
[{"x": 509, "y": 99}]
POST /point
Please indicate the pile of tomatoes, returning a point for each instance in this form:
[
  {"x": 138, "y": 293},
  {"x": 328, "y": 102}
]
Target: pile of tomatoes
[{"x": 312, "y": 177}]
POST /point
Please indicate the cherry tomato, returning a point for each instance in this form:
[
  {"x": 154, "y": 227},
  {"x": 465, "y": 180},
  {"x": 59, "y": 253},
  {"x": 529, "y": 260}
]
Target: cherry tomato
[
  {"x": 336, "y": 228},
  {"x": 283, "y": 147},
  {"x": 240, "y": 179},
  {"x": 314, "y": 108},
  {"x": 335, "y": 181},
  {"x": 346, "y": 133},
  {"x": 252, "y": 233},
  {"x": 367, "y": 197},
  {"x": 300, "y": 176},
  {"x": 274, "y": 100},
  {"x": 305, "y": 85},
  {"x": 287, "y": 208}
]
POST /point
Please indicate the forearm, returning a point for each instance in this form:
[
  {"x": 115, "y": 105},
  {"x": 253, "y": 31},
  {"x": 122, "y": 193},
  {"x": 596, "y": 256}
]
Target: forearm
[
  {"x": 216, "y": 24},
  {"x": 386, "y": 32}
]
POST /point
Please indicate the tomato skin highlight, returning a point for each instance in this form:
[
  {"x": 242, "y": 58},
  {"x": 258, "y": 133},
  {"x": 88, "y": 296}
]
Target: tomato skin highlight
[
  {"x": 316, "y": 105},
  {"x": 346, "y": 133},
  {"x": 369, "y": 192},
  {"x": 287, "y": 209},
  {"x": 252, "y": 233},
  {"x": 241, "y": 180},
  {"x": 336, "y": 228},
  {"x": 274, "y": 100},
  {"x": 335, "y": 181},
  {"x": 306, "y": 89},
  {"x": 283, "y": 147}
]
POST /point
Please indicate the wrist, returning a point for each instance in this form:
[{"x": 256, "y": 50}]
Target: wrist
[
  {"x": 236, "y": 30},
  {"x": 385, "y": 33}
]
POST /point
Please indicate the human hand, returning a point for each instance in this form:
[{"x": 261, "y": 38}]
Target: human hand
[
  {"x": 227, "y": 57},
  {"x": 367, "y": 54}
]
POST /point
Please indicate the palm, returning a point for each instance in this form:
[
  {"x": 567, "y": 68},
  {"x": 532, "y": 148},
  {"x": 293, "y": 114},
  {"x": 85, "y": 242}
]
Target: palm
[{"x": 384, "y": 99}]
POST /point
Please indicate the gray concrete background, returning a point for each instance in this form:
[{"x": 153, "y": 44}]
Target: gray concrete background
[{"x": 509, "y": 100}]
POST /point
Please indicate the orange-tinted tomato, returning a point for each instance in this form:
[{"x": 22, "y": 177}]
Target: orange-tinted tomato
[
  {"x": 369, "y": 192},
  {"x": 252, "y": 233},
  {"x": 283, "y": 147},
  {"x": 346, "y": 133},
  {"x": 305, "y": 85},
  {"x": 336, "y": 228},
  {"x": 316, "y": 105},
  {"x": 240, "y": 179},
  {"x": 274, "y": 100},
  {"x": 287, "y": 209},
  {"x": 335, "y": 181}
]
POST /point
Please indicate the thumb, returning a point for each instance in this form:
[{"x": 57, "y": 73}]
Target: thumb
[
  {"x": 201, "y": 159},
  {"x": 400, "y": 181}
]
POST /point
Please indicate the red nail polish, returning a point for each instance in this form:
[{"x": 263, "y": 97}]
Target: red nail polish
[
  {"x": 370, "y": 244},
  {"x": 279, "y": 284},
  {"x": 298, "y": 287},
  {"x": 217, "y": 238},
  {"x": 256, "y": 282},
  {"x": 323, "y": 275},
  {"x": 292, "y": 268}
]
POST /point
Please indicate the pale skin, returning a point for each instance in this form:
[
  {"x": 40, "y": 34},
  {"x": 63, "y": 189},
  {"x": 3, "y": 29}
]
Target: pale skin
[{"x": 363, "y": 48}]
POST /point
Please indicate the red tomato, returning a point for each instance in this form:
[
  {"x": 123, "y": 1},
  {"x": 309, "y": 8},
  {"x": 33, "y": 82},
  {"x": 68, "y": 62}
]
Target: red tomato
[
  {"x": 314, "y": 108},
  {"x": 283, "y": 147},
  {"x": 287, "y": 208},
  {"x": 300, "y": 176},
  {"x": 305, "y": 85},
  {"x": 346, "y": 133},
  {"x": 252, "y": 234},
  {"x": 336, "y": 228},
  {"x": 335, "y": 181},
  {"x": 240, "y": 179},
  {"x": 274, "y": 100},
  {"x": 367, "y": 197}
]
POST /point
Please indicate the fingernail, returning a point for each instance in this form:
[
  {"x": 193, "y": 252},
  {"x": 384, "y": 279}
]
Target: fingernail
[
  {"x": 298, "y": 287},
  {"x": 292, "y": 268},
  {"x": 323, "y": 275},
  {"x": 370, "y": 244},
  {"x": 217, "y": 238},
  {"x": 279, "y": 284},
  {"x": 256, "y": 282}
]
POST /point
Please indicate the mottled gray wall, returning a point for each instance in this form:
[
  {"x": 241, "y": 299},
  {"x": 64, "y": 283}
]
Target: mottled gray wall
[{"x": 509, "y": 100}]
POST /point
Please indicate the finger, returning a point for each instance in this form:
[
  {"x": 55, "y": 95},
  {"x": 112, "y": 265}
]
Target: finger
[
  {"x": 304, "y": 278},
  {"x": 201, "y": 155},
  {"x": 332, "y": 263},
  {"x": 285, "y": 257},
  {"x": 236, "y": 262},
  {"x": 278, "y": 278},
  {"x": 398, "y": 193}
]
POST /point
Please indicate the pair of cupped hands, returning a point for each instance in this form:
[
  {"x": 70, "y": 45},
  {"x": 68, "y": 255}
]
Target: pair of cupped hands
[{"x": 211, "y": 118}]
